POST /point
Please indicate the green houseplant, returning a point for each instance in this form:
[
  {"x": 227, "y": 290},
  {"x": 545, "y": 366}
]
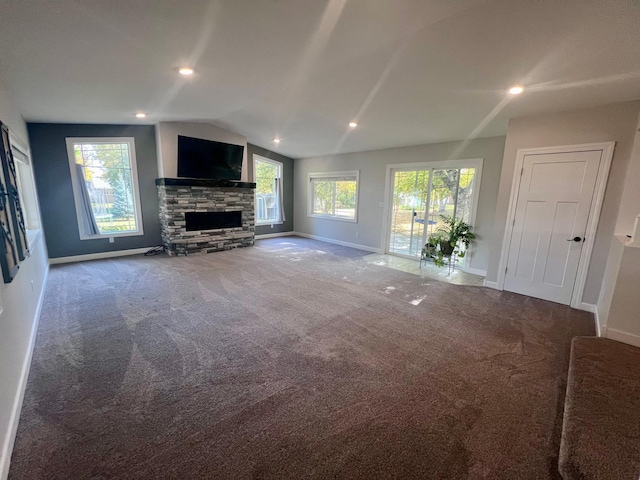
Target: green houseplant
[{"x": 448, "y": 240}]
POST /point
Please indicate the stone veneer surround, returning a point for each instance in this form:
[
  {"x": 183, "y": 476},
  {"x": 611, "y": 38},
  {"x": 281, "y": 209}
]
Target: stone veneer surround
[{"x": 180, "y": 195}]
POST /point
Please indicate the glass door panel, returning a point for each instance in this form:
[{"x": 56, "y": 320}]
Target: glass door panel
[
  {"x": 408, "y": 211},
  {"x": 466, "y": 187}
]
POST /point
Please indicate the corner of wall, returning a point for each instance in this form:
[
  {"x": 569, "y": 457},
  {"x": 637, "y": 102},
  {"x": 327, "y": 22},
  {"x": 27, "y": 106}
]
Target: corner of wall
[{"x": 159, "y": 151}]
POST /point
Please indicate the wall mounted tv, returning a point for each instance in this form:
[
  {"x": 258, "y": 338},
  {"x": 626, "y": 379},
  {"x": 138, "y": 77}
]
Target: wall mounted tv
[{"x": 199, "y": 158}]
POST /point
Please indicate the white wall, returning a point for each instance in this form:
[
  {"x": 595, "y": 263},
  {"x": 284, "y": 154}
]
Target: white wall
[
  {"x": 619, "y": 301},
  {"x": 372, "y": 167},
  {"x": 609, "y": 280},
  {"x": 167, "y": 144},
  {"x": 615, "y": 122},
  {"x": 20, "y": 301},
  {"x": 630, "y": 202}
]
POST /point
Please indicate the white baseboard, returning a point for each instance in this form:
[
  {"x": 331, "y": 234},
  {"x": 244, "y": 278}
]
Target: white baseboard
[
  {"x": 493, "y": 285},
  {"x": 587, "y": 307},
  {"x": 273, "y": 235},
  {"x": 5, "y": 454},
  {"x": 623, "y": 337},
  {"x": 601, "y": 330},
  {"x": 98, "y": 256},
  {"x": 592, "y": 308},
  {"x": 476, "y": 271},
  {"x": 338, "y": 242}
]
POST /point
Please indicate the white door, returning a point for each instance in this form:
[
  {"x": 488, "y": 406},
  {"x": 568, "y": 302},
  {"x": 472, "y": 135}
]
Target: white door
[{"x": 552, "y": 210}]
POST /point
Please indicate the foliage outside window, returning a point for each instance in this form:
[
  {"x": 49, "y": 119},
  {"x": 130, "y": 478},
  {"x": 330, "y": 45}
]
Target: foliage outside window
[
  {"x": 268, "y": 175},
  {"x": 334, "y": 195},
  {"x": 104, "y": 177}
]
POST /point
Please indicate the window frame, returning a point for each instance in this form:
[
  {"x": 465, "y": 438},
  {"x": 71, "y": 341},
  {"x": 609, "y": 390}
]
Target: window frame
[
  {"x": 137, "y": 204},
  {"x": 310, "y": 194},
  {"x": 258, "y": 158},
  {"x": 29, "y": 203}
]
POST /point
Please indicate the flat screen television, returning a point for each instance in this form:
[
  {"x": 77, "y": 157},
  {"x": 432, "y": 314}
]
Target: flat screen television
[{"x": 199, "y": 158}]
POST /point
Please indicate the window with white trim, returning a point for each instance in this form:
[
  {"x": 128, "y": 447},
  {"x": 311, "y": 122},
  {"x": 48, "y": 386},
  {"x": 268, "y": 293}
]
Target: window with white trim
[
  {"x": 269, "y": 199},
  {"x": 105, "y": 186},
  {"x": 26, "y": 185},
  {"x": 334, "y": 195}
]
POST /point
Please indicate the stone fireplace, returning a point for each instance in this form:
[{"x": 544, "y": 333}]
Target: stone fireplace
[{"x": 203, "y": 216}]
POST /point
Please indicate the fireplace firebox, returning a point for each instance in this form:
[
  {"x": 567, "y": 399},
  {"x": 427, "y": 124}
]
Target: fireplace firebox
[{"x": 197, "y": 221}]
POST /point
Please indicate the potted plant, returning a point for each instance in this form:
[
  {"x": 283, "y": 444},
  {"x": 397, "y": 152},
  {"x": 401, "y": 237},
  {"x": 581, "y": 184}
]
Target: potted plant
[
  {"x": 430, "y": 248},
  {"x": 448, "y": 240}
]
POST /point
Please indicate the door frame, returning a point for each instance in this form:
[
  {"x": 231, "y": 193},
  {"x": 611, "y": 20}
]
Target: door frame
[
  {"x": 476, "y": 163},
  {"x": 594, "y": 212}
]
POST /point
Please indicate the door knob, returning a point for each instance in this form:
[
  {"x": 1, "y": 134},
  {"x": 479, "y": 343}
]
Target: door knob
[{"x": 574, "y": 239}]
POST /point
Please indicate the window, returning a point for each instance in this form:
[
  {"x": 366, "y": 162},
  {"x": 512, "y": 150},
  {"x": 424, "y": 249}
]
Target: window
[
  {"x": 105, "y": 186},
  {"x": 334, "y": 195},
  {"x": 26, "y": 188},
  {"x": 269, "y": 201}
]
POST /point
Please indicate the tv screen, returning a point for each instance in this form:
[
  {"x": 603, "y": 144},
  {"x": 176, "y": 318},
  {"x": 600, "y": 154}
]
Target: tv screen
[{"x": 199, "y": 158}]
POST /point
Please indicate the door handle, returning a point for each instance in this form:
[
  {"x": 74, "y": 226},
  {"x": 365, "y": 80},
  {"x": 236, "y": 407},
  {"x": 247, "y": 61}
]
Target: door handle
[{"x": 574, "y": 239}]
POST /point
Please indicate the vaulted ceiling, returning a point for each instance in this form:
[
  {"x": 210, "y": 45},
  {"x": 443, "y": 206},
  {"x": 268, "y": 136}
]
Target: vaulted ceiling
[{"x": 408, "y": 71}]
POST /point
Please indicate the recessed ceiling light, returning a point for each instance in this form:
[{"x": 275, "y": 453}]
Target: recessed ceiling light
[
  {"x": 186, "y": 71},
  {"x": 276, "y": 140},
  {"x": 516, "y": 90},
  {"x": 141, "y": 115},
  {"x": 353, "y": 124}
]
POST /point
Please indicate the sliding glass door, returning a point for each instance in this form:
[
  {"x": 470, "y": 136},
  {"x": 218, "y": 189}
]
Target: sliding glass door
[{"x": 420, "y": 196}]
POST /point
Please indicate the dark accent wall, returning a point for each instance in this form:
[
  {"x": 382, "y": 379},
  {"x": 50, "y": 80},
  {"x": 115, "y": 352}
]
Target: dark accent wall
[
  {"x": 287, "y": 187},
  {"x": 53, "y": 181}
]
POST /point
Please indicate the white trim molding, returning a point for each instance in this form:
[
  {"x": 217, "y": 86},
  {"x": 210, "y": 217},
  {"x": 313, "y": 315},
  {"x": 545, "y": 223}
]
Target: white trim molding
[
  {"x": 76, "y": 185},
  {"x": 475, "y": 271},
  {"x": 493, "y": 285},
  {"x": 587, "y": 307},
  {"x": 337, "y": 242},
  {"x": 280, "y": 172},
  {"x": 274, "y": 235},
  {"x": 7, "y": 448},
  {"x": 329, "y": 176},
  {"x": 99, "y": 256},
  {"x": 594, "y": 214},
  {"x": 601, "y": 330},
  {"x": 623, "y": 337}
]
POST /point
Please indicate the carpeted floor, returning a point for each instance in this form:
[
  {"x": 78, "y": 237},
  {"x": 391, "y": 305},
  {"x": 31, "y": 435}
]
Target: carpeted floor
[
  {"x": 293, "y": 359},
  {"x": 600, "y": 439}
]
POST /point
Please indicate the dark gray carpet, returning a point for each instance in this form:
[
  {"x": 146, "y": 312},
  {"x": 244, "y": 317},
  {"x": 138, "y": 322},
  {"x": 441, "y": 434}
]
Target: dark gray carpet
[
  {"x": 293, "y": 359},
  {"x": 601, "y": 437}
]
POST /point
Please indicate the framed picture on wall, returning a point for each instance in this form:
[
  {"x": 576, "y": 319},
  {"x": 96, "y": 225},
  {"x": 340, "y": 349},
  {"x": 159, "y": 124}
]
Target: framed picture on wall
[
  {"x": 10, "y": 173},
  {"x": 13, "y": 239}
]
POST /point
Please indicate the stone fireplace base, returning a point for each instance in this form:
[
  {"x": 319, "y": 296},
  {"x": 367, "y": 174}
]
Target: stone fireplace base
[{"x": 178, "y": 196}]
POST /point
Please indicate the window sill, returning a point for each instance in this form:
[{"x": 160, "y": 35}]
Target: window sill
[
  {"x": 33, "y": 234},
  {"x": 106, "y": 236},
  {"x": 266, "y": 224},
  {"x": 330, "y": 217}
]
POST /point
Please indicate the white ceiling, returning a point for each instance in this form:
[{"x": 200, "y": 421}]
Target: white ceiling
[{"x": 409, "y": 71}]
